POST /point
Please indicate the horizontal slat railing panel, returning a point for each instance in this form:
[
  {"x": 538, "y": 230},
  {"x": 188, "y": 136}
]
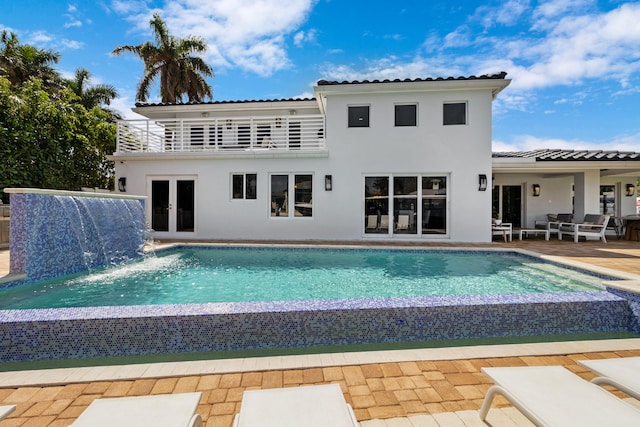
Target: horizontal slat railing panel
[{"x": 242, "y": 134}]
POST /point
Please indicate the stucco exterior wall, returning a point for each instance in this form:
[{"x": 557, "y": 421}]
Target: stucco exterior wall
[{"x": 460, "y": 152}]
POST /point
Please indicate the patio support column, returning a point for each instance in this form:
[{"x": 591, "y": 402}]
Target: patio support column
[{"x": 586, "y": 191}]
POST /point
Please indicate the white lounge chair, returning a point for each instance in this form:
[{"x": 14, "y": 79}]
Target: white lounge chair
[
  {"x": 162, "y": 410},
  {"x": 504, "y": 228},
  {"x": 372, "y": 222},
  {"x": 6, "y": 410},
  {"x": 553, "y": 222},
  {"x": 554, "y": 396},
  {"x": 384, "y": 222},
  {"x": 591, "y": 226},
  {"x": 621, "y": 373},
  {"x": 403, "y": 222},
  {"x": 310, "y": 406}
]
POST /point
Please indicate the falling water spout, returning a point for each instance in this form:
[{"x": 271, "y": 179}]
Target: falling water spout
[{"x": 55, "y": 233}]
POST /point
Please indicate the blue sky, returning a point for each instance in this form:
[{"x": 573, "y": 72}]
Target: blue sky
[{"x": 575, "y": 64}]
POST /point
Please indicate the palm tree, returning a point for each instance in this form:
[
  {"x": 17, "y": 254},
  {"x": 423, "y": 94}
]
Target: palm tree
[
  {"x": 20, "y": 62},
  {"x": 94, "y": 96},
  {"x": 172, "y": 61}
]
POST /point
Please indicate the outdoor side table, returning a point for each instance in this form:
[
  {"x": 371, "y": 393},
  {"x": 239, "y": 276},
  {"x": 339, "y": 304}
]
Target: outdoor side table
[{"x": 525, "y": 231}]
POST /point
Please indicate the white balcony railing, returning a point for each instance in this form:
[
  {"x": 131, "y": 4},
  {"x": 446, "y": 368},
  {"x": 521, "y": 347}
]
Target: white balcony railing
[{"x": 240, "y": 134}]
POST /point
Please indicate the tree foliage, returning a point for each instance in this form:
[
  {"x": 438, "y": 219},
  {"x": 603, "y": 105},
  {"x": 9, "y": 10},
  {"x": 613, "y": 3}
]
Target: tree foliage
[
  {"x": 91, "y": 96},
  {"x": 172, "y": 61},
  {"x": 21, "y": 62},
  {"x": 50, "y": 136},
  {"x": 98, "y": 95}
]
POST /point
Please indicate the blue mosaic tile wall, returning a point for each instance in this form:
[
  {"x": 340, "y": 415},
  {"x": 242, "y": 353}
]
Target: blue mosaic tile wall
[
  {"x": 55, "y": 235},
  {"x": 634, "y": 306},
  {"x": 18, "y": 225},
  {"x": 119, "y": 331}
]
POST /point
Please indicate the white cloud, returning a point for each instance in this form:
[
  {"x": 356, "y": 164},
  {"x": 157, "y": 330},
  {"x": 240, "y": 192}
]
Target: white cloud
[
  {"x": 298, "y": 38},
  {"x": 70, "y": 44},
  {"x": 39, "y": 38},
  {"x": 246, "y": 34},
  {"x": 73, "y": 23},
  {"x": 461, "y": 37},
  {"x": 530, "y": 142},
  {"x": 123, "y": 105},
  {"x": 552, "y": 9},
  {"x": 388, "y": 68},
  {"x": 507, "y": 13},
  {"x": 126, "y": 7},
  {"x": 304, "y": 37},
  {"x": 576, "y": 48}
]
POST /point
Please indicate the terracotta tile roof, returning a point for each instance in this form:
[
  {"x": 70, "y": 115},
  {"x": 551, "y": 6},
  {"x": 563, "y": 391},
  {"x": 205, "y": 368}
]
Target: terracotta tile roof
[
  {"x": 494, "y": 76},
  {"x": 550, "y": 155}
]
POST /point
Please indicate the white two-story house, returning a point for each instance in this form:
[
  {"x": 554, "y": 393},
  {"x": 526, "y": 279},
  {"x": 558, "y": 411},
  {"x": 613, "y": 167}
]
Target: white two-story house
[{"x": 363, "y": 160}]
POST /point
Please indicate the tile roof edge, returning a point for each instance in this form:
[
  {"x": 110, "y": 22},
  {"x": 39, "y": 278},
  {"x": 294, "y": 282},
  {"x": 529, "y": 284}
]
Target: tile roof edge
[
  {"x": 548, "y": 155},
  {"x": 493, "y": 76},
  {"x": 247, "y": 101}
]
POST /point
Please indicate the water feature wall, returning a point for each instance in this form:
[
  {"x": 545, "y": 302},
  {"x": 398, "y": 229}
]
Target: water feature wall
[{"x": 54, "y": 233}]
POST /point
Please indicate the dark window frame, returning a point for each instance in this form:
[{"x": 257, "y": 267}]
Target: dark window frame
[
  {"x": 406, "y": 115},
  {"x": 358, "y": 116},
  {"x": 454, "y": 113}
]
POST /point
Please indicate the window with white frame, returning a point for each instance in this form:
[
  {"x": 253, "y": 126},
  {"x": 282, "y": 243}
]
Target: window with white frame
[
  {"x": 283, "y": 186},
  {"x": 454, "y": 113},
  {"x": 406, "y": 204},
  {"x": 244, "y": 186}
]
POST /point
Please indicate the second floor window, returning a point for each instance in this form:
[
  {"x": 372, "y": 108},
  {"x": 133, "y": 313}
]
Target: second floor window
[
  {"x": 359, "y": 116},
  {"x": 406, "y": 115},
  {"x": 454, "y": 113}
]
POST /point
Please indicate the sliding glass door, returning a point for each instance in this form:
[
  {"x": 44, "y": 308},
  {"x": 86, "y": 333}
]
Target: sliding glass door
[{"x": 405, "y": 205}]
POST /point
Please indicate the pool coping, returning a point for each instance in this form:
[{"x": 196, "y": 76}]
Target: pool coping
[{"x": 64, "y": 376}]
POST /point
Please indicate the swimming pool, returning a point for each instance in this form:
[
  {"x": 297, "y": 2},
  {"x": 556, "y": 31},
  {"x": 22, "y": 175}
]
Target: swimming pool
[
  {"x": 127, "y": 330},
  {"x": 198, "y": 275}
]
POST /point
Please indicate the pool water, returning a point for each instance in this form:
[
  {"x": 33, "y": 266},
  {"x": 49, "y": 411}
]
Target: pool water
[{"x": 230, "y": 274}]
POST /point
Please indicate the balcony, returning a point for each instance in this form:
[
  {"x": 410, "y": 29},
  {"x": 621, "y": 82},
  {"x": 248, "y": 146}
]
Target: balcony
[{"x": 219, "y": 136}]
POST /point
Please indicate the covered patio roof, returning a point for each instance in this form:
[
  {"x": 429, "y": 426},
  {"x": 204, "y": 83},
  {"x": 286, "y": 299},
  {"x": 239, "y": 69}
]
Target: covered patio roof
[{"x": 558, "y": 161}]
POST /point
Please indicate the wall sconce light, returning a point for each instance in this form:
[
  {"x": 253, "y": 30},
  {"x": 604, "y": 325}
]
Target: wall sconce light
[
  {"x": 482, "y": 182},
  {"x": 631, "y": 190},
  {"x": 536, "y": 190},
  {"x": 328, "y": 182},
  {"x": 122, "y": 184},
  {"x": 204, "y": 114}
]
